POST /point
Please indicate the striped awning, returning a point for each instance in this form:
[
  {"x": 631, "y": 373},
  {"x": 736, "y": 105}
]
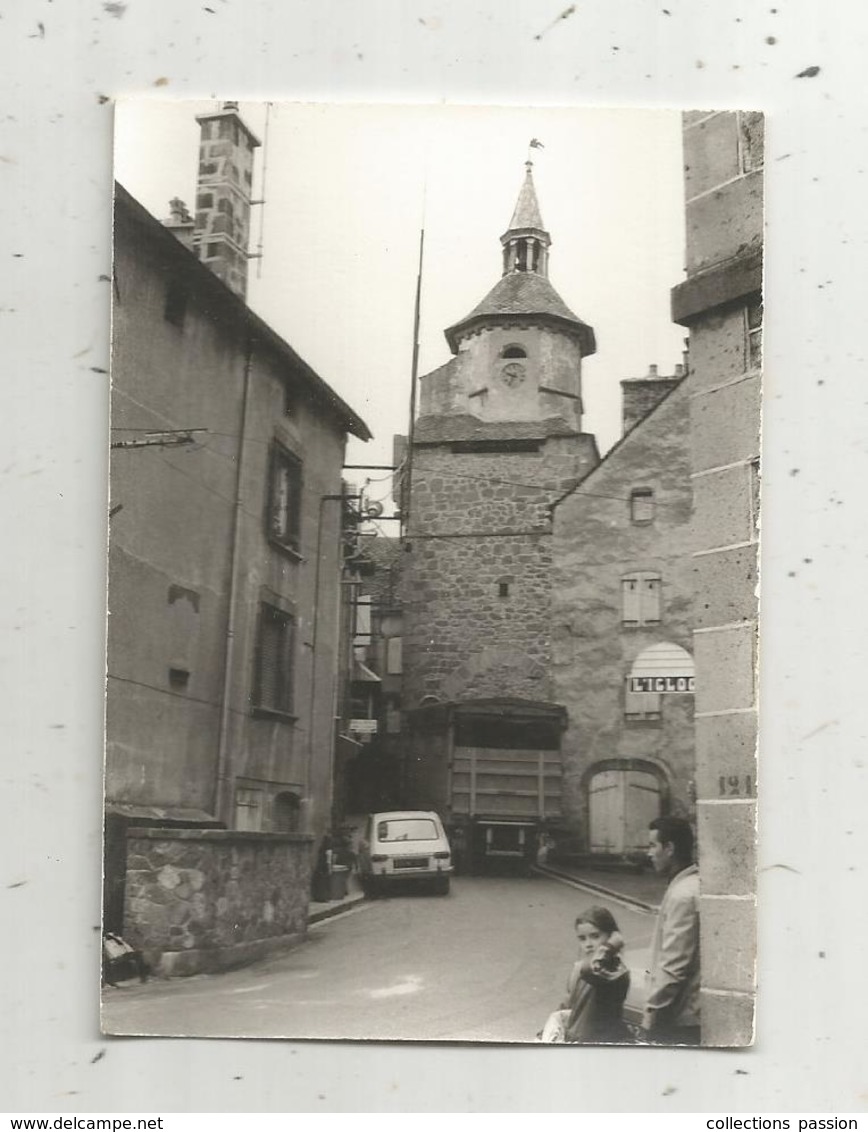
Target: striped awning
[{"x": 663, "y": 668}]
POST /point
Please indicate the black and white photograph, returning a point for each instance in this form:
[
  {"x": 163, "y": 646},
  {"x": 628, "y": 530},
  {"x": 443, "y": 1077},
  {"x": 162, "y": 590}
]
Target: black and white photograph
[{"x": 431, "y": 690}]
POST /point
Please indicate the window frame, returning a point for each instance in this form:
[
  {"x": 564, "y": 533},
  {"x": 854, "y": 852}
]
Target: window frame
[
  {"x": 279, "y": 458},
  {"x": 753, "y": 330},
  {"x": 645, "y": 494},
  {"x": 249, "y": 799},
  {"x": 284, "y": 704}
]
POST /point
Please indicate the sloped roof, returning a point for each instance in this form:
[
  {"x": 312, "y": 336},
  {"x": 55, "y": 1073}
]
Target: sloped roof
[
  {"x": 610, "y": 456},
  {"x": 527, "y": 213},
  {"x": 524, "y": 293},
  {"x": 234, "y": 308},
  {"x": 464, "y": 426}
]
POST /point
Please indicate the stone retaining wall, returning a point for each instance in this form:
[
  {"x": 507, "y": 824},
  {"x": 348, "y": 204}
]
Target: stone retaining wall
[{"x": 207, "y": 899}]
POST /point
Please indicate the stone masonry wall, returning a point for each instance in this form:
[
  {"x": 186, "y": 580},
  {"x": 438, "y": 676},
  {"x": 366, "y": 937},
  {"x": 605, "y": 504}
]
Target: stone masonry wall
[
  {"x": 595, "y": 545},
  {"x": 480, "y": 522},
  {"x": 720, "y": 298},
  {"x": 205, "y": 900}
]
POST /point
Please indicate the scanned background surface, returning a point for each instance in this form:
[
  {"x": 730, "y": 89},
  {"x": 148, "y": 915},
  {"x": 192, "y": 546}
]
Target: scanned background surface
[{"x": 813, "y": 841}]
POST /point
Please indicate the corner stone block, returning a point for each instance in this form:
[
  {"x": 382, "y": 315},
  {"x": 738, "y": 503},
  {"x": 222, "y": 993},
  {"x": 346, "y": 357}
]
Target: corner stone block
[
  {"x": 725, "y": 424},
  {"x": 725, "y": 223},
  {"x": 725, "y": 748},
  {"x": 722, "y": 507},
  {"x": 727, "y": 848},
  {"x": 710, "y": 153},
  {"x": 717, "y": 349},
  {"x": 689, "y": 117},
  {"x": 724, "y": 585},
  {"x": 727, "y": 1019},
  {"x": 728, "y": 943},
  {"x": 725, "y": 677}
]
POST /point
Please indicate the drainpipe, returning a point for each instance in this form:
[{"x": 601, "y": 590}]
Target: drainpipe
[
  {"x": 222, "y": 782},
  {"x": 313, "y": 642}
]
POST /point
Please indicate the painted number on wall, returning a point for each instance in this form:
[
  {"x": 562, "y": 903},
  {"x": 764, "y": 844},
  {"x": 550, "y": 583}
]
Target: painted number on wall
[{"x": 736, "y": 786}]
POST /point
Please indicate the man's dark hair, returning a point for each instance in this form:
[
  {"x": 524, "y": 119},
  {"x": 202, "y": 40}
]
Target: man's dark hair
[{"x": 677, "y": 833}]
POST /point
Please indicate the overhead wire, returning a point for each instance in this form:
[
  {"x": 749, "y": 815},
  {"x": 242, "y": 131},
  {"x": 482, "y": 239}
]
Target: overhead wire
[{"x": 542, "y": 487}]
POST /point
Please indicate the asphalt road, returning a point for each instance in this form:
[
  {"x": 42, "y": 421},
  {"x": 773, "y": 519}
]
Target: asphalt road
[{"x": 486, "y": 963}]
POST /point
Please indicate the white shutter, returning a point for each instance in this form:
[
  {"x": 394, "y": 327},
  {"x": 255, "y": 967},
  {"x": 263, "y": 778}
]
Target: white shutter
[
  {"x": 650, "y": 599},
  {"x": 394, "y": 656},
  {"x": 630, "y": 606}
]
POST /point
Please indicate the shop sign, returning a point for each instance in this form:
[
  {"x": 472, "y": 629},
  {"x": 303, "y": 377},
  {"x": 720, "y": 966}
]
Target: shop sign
[{"x": 661, "y": 683}]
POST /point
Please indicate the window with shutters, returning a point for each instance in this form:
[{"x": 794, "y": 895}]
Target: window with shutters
[
  {"x": 640, "y": 707},
  {"x": 273, "y": 676},
  {"x": 640, "y": 599},
  {"x": 248, "y": 809},
  {"x": 283, "y": 510}
]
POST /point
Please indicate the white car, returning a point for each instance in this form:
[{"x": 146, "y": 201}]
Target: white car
[{"x": 404, "y": 845}]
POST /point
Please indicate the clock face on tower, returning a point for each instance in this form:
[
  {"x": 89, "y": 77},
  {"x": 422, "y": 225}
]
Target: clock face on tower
[{"x": 512, "y": 374}]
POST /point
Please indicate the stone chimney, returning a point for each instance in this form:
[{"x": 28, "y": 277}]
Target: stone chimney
[
  {"x": 639, "y": 395},
  {"x": 180, "y": 222},
  {"x": 221, "y": 237}
]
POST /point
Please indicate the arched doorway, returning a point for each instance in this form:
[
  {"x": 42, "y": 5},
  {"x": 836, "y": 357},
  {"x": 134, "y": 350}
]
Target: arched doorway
[
  {"x": 286, "y": 814},
  {"x": 623, "y": 798}
]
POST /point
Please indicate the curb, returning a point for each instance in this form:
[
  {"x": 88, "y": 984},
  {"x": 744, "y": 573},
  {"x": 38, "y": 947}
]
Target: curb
[
  {"x": 336, "y": 908},
  {"x": 590, "y": 886}
]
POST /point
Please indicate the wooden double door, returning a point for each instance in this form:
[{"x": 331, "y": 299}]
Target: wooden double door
[{"x": 621, "y": 803}]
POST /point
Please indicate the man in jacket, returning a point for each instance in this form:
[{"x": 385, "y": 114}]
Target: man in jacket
[{"x": 671, "y": 1014}]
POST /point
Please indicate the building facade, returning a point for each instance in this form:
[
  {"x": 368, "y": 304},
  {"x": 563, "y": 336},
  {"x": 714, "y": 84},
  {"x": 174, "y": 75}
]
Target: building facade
[
  {"x": 721, "y": 304},
  {"x": 499, "y": 438},
  {"x": 225, "y": 563},
  {"x": 622, "y": 622},
  {"x": 225, "y": 553},
  {"x": 547, "y": 593}
]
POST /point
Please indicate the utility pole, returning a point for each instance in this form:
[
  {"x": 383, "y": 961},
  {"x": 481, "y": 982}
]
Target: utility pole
[{"x": 408, "y": 463}]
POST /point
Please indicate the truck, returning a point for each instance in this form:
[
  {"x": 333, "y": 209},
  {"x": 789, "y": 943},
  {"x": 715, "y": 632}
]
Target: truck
[{"x": 492, "y": 770}]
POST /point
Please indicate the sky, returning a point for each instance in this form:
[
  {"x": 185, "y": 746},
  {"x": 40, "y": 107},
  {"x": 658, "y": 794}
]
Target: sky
[{"x": 347, "y": 188}]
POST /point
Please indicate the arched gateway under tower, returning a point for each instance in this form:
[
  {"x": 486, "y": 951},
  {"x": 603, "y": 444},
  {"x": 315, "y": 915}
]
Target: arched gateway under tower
[{"x": 499, "y": 439}]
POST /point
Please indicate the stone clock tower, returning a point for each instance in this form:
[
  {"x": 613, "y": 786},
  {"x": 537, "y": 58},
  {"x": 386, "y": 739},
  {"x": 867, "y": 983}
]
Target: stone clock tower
[{"x": 499, "y": 438}]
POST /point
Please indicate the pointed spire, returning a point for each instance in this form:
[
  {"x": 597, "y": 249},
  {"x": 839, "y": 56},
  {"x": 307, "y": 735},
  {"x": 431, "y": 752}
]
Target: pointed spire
[
  {"x": 527, "y": 213},
  {"x": 526, "y": 242}
]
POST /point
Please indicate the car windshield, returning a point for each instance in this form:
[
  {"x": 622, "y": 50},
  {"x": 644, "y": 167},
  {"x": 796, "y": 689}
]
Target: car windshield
[{"x": 407, "y": 829}]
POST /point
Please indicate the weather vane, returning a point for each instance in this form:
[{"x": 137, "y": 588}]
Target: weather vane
[{"x": 534, "y": 143}]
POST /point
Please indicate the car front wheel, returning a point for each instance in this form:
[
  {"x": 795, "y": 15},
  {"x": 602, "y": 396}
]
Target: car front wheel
[{"x": 441, "y": 886}]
